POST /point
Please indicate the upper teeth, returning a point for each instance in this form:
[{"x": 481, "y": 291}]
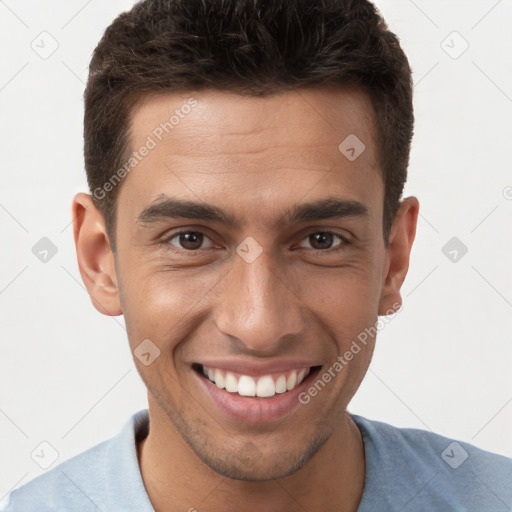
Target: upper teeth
[{"x": 264, "y": 386}]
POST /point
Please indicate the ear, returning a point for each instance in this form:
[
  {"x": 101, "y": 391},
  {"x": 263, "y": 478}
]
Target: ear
[
  {"x": 95, "y": 258},
  {"x": 401, "y": 239}
]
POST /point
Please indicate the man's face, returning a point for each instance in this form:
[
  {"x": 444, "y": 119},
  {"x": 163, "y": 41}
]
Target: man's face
[{"x": 279, "y": 288}]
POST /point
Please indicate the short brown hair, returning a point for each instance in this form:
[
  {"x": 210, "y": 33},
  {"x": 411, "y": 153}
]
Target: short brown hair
[{"x": 251, "y": 47}]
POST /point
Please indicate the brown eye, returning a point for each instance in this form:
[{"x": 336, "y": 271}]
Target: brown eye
[
  {"x": 189, "y": 240},
  {"x": 323, "y": 240}
]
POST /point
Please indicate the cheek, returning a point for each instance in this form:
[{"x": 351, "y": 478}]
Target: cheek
[
  {"x": 167, "y": 305},
  {"x": 345, "y": 298},
  {"x": 162, "y": 305}
]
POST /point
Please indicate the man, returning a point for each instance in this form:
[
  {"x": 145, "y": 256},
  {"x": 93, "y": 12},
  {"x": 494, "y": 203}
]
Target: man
[{"x": 246, "y": 161}]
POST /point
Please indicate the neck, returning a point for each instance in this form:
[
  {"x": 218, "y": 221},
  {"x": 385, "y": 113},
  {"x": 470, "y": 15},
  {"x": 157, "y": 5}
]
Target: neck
[{"x": 176, "y": 479}]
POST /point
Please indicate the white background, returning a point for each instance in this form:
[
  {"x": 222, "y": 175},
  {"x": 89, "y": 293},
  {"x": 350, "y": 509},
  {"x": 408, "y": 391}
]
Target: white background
[{"x": 443, "y": 363}]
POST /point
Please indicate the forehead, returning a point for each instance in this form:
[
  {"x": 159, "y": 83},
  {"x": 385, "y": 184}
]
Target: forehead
[{"x": 221, "y": 146}]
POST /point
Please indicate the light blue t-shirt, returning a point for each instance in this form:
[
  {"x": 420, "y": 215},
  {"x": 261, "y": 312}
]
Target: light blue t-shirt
[{"x": 407, "y": 470}]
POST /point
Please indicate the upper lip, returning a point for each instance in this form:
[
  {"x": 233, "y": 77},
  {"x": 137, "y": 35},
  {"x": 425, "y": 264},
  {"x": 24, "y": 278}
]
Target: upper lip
[{"x": 258, "y": 369}]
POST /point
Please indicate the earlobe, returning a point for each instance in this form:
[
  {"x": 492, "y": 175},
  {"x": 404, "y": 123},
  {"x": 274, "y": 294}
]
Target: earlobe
[
  {"x": 94, "y": 255},
  {"x": 401, "y": 239}
]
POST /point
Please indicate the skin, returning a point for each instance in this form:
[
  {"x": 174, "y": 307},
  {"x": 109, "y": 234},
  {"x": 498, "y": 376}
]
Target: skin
[{"x": 254, "y": 158}]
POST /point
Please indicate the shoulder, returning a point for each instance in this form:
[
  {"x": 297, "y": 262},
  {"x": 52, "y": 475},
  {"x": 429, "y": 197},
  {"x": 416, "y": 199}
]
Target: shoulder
[
  {"x": 423, "y": 468},
  {"x": 91, "y": 480},
  {"x": 63, "y": 484}
]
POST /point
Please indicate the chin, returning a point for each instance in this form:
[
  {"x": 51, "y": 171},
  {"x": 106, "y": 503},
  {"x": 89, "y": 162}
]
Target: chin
[
  {"x": 253, "y": 464},
  {"x": 251, "y": 467},
  {"x": 249, "y": 460}
]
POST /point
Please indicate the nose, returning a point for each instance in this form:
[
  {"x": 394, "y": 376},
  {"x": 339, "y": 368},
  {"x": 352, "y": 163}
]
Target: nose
[{"x": 258, "y": 308}]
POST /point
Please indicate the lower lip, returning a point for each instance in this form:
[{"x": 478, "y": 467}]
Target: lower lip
[{"x": 254, "y": 409}]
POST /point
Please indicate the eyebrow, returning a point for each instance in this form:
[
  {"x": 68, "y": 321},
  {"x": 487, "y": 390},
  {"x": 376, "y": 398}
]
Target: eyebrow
[
  {"x": 328, "y": 208},
  {"x": 171, "y": 207}
]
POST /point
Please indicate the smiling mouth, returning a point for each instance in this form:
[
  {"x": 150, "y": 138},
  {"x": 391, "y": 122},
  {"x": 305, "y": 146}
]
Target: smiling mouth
[{"x": 263, "y": 386}]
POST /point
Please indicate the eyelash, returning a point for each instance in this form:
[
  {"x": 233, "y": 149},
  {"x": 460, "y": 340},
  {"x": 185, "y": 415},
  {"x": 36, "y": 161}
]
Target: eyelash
[
  {"x": 337, "y": 248},
  {"x": 166, "y": 241},
  {"x": 341, "y": 246}
]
